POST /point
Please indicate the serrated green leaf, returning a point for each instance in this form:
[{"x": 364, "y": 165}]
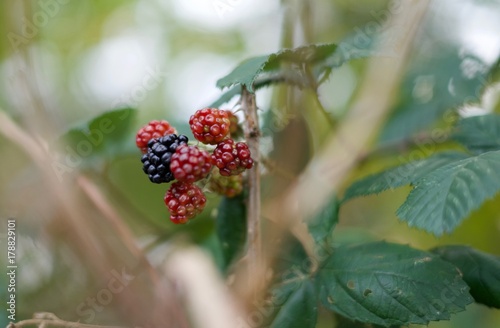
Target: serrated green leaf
[
  {"x": 400, "y": 175},
  {"x": 481, "y": 271},
  {"x": 342, "y": 322},
  {"x": 320, "y": 58},
  {"x": 322, "y": 225},
  {"x": 245, "y": 73},
  {"x": 441, "y": 199},
  {"x": 106, "y": 135},
  {"x": 390, "y": 284},
  {"x": 479, "y": 134},
  {"x": 293, "y": 305},
  {"x": 433, "y": 85},
  {"x": 230, "y": 227}
]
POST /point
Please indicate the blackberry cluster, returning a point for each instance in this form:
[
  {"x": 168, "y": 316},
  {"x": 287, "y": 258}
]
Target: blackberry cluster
[
  {"x": 156, "y": 162},
  {"x": 168, "y": 157}
]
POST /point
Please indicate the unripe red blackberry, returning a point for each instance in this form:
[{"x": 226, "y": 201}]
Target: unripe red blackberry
[
  {"x": 227, "y": 186},
  {"x": 190, "y": 164},
  {"x": 232, "y": 158},
  {"x": 153, "y": 130},
  {"x": 210, "y": 125},
  {"x": 184, "y": 201},
  {"x": 156, "y": 162},
  {"x": 235, "y": 129}
]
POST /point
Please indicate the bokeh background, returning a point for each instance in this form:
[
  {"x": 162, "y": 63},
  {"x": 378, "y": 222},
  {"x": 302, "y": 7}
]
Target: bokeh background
[{"x": 63, "y": 62}]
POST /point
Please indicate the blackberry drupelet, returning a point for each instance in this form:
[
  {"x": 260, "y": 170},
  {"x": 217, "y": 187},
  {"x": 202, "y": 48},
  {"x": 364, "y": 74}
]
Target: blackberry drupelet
[{"x": 156, "y": 162}]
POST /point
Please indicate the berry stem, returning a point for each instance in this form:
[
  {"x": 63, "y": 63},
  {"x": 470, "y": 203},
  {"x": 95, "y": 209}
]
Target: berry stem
[{"x": 252, "y": 134}]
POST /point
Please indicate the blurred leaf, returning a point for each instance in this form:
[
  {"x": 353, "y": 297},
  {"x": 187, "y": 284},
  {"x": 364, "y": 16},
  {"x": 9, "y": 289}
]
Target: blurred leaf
[
  {"x": 390, "y": 284},
  {"x": 293, "y": 305},
  {"x": 107, "y": 135},
  {"x": 481, "y": 271},
  {"x": 231, "y": 227},
  {"x": 432, "y": 86},
  {"x": 479, "y": 133},
  {"x": 441, "y": 199},
  {"x": 322, "y": 225},
  {"x": 213, "y": 246},
  {"x": 400, "y": 175}
]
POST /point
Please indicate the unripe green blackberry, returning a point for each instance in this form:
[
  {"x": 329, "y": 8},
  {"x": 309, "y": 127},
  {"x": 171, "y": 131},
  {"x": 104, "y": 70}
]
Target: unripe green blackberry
[{"x": 226, "y": 186}]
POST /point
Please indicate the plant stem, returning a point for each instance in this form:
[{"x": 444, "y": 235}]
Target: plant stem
[
  {"x": 252, "y": 134},
  {"x": 49, "y": 319}
]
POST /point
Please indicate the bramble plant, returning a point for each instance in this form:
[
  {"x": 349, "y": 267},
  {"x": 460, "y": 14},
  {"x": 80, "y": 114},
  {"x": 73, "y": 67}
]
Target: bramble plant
[
  {"x": 379, "y": 283},
  {"x": 268, "y": 189}
]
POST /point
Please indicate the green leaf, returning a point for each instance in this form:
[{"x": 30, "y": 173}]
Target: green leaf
[
  {"x": 322, "y": 225},
  {"x": 441, "y": 199},
  {"x": 400, "y": 175},
  {"x": 231, "y": 227},
  {"x": 342, "y": 322},
  {"x": 245, "y": 73},
  {"x": 479, "y": 134},
  {"x": 433, "y": 85},
  {"x": 293, "y": 305},
  {"x": 390, "y": 284},
  {"x": 481, "y": 271},
  {"x": 107, "y": 135},
  {"x": 320, "y": 57}
]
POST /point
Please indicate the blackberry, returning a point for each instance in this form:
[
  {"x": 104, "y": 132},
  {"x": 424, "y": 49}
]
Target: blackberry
[
  {"x": 184, "y": 201},
  {"x": 156, "y": 162},
  {"x": 154, "y": 129},
  {"x": 232, "y": 158},
  {"x": 227, "y": 186},
  {"x": 190, "y": 164},
  {"x": 210, "y": 125}
]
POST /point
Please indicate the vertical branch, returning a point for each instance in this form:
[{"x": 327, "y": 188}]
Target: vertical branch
[{"x": 252, "y": 134}]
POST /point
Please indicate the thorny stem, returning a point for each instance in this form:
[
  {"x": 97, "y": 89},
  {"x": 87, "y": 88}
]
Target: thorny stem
[{"x": 252, "y": 134}]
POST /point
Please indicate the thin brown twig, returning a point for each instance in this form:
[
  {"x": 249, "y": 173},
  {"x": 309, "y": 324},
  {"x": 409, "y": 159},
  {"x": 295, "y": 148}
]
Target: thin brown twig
[
  {"x": 252, "y": 134},
  {"x": 51, "y": 320},
  {"x": 99, "y": 200}
]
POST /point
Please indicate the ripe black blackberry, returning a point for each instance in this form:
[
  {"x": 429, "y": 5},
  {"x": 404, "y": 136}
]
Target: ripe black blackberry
[{"x": 156, "y": 162}]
